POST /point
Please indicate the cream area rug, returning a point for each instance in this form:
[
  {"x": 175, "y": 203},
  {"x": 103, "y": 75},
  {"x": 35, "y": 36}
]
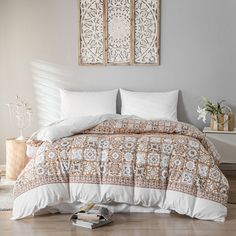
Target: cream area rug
[{"x": 6, "y": 196}]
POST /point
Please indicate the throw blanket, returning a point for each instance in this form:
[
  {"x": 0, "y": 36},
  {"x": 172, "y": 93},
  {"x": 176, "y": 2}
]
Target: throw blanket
[{"x": 124, "y": 160}]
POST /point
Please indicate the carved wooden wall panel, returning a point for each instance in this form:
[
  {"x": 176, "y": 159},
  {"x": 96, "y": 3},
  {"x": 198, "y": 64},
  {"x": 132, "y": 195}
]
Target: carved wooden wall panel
[
  {"x": 147, "y": 31},
  {"x": 119, "y": 32}
]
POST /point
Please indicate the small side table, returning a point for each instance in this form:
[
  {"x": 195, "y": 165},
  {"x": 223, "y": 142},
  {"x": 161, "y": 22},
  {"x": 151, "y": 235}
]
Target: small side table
[
  {"x": 16, "y": 158},
  {"x": 225, "y": 142}
]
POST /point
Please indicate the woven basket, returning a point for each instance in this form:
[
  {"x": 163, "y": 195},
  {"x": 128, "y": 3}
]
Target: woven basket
[{"x": 222, "y": 122}]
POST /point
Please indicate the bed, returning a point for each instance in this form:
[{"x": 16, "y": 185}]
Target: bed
[{"x": 127, "y": 163}]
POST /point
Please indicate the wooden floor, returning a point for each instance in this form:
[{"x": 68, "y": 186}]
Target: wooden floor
[
  {"x": 231, "y": 176},
  {"x": 124, "y": 225}
]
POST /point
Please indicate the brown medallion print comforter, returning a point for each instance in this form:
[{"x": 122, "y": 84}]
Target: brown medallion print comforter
[{"x": 159, "y": 164}]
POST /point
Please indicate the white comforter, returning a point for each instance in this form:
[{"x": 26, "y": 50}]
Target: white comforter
[{"x": 127, "y": 163}]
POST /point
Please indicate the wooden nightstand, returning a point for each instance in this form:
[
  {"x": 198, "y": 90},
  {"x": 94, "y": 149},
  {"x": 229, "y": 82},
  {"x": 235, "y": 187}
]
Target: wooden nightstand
[
  {"x": 225, "y": 142},
  {"x": 16, "y": 158}
]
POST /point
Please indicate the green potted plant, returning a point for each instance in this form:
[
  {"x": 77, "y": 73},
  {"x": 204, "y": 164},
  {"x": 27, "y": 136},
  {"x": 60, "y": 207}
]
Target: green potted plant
[{"x": 222, "y": 118}]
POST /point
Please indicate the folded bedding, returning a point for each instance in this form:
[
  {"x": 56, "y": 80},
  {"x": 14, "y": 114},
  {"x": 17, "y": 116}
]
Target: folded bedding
[{"x": 122, "y": 160}]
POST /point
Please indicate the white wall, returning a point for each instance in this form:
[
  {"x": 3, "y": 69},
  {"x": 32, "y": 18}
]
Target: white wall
[{"x": 197, "y": 56}]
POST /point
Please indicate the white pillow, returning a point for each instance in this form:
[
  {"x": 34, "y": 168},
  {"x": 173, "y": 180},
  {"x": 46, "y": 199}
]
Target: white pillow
[
  {"x": 76, "y": 104},
  {"x": 150, "y": 105}
]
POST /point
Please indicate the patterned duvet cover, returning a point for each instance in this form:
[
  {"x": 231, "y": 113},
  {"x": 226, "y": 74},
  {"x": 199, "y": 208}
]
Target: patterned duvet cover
[{"x": 154, "y": 164}]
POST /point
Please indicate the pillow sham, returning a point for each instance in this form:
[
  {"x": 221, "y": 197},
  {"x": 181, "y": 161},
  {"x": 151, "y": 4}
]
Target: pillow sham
[
  {"x": 150, "y": 105},
  {"x": 76, "y": 104}
]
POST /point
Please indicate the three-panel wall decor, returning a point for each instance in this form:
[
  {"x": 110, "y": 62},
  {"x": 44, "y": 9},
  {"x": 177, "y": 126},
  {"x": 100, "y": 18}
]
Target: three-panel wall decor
[{"x": 119, "y": 32}]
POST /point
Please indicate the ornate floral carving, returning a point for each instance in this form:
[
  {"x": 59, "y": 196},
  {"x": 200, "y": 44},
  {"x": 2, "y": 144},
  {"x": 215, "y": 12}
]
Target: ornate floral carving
[
  {"x": 118, "y": 31},
  {"x": 91, "y": 35},
  {"x": 147, "y": 31},
  {"x": 106, "y": 35}
]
